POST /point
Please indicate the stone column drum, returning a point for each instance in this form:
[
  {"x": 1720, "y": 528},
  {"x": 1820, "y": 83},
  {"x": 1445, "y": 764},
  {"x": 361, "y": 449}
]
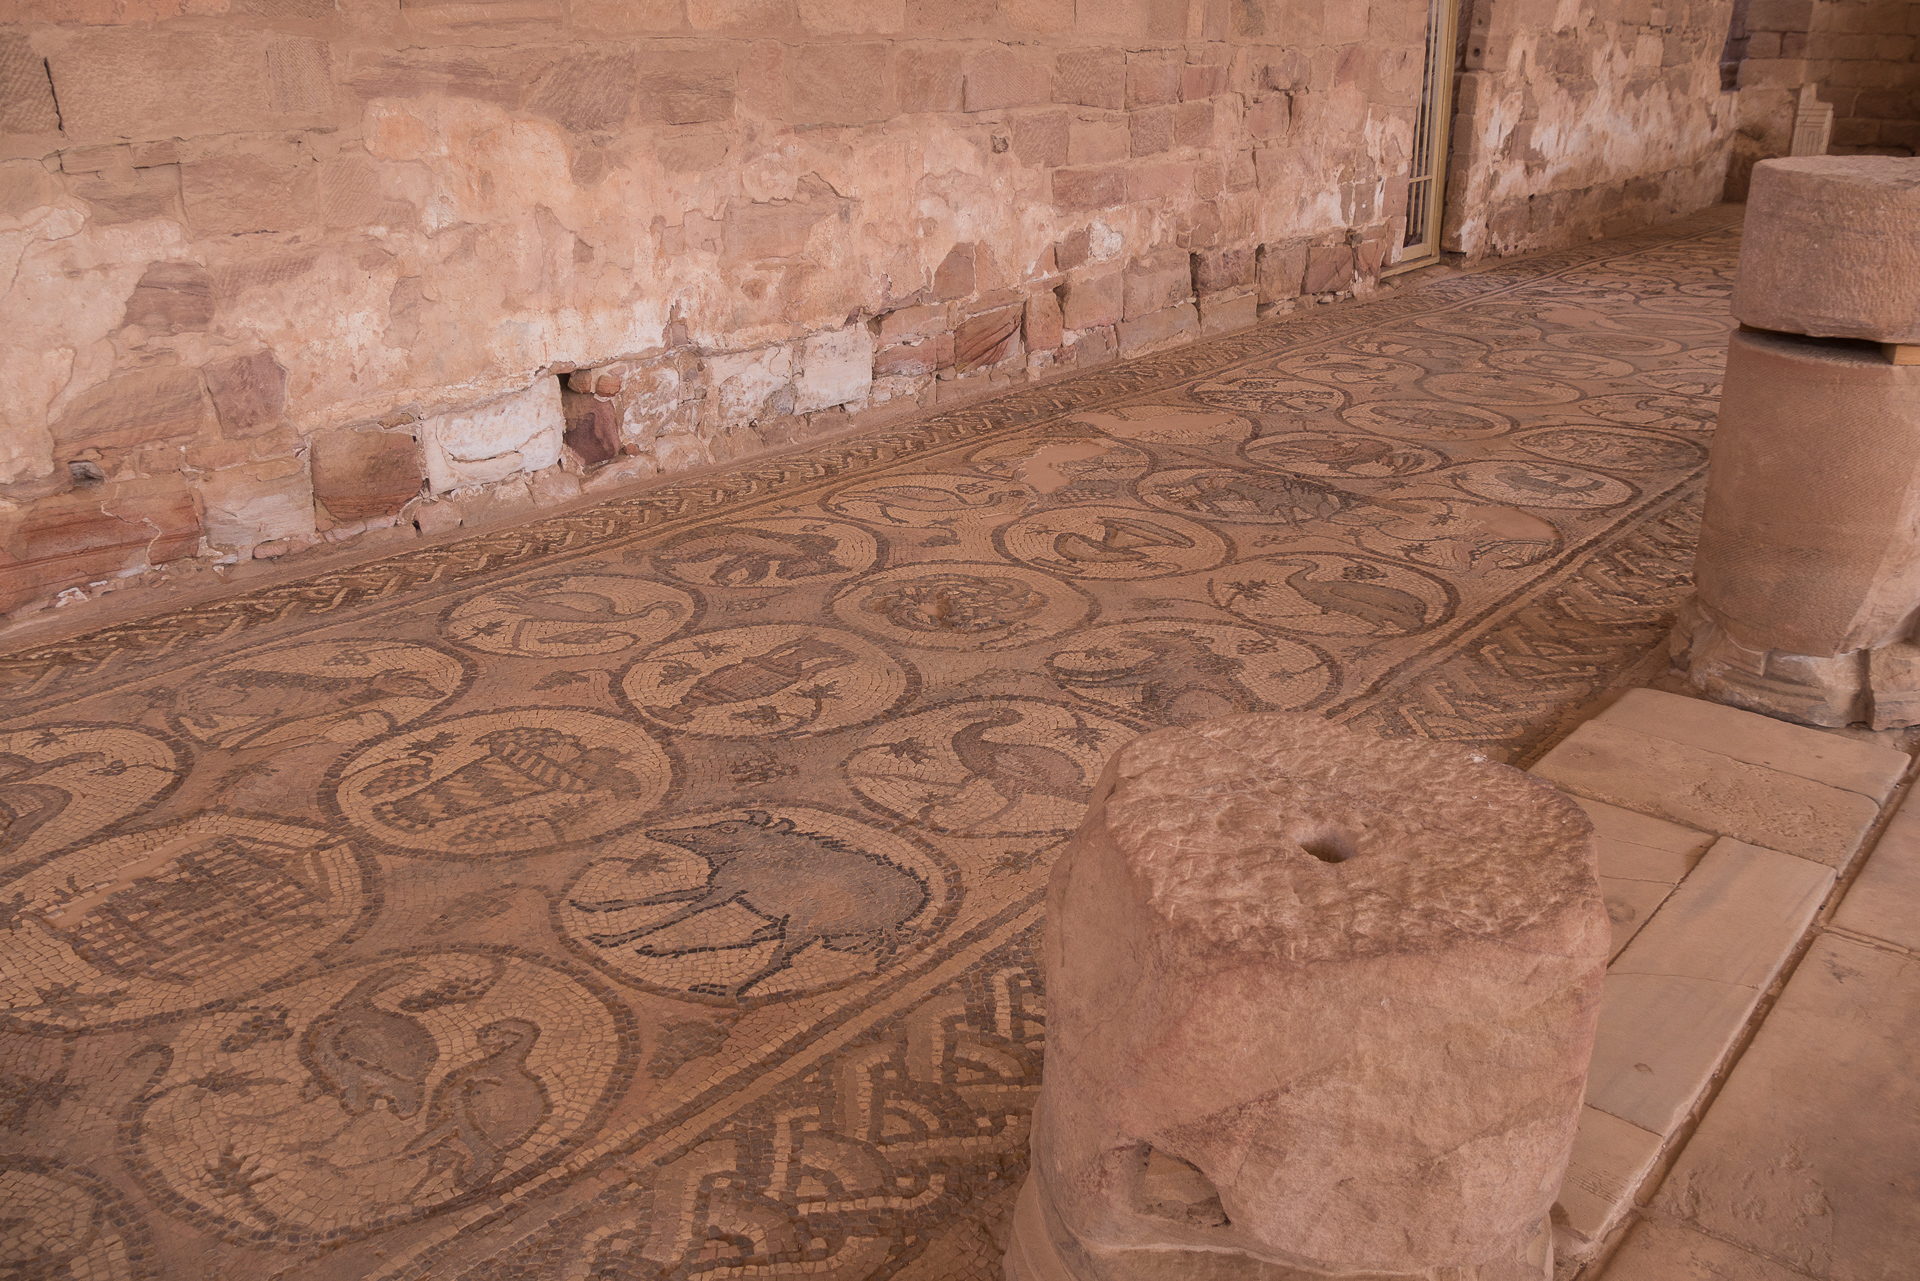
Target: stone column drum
[
  {"x": 1808, "y": 573},
  {"x": 1318, "y": 1005}
]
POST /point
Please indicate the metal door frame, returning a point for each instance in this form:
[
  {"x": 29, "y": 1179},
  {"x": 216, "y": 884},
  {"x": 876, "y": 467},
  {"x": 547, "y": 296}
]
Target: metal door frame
[{"x": 1432, "y": 134}]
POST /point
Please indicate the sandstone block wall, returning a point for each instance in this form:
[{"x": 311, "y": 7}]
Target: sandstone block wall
[
  {"x": 288, "y": 271},
  {"x": 1863, "y": 54},
  {"x": 1576, "y": 121}
]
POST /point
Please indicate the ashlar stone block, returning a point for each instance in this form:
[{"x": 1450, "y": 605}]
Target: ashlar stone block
[{"x": 1360, "y": 981}]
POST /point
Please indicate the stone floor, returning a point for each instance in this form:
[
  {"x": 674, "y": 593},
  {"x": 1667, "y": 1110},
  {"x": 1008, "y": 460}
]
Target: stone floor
[{"x": 423, "y": 918}]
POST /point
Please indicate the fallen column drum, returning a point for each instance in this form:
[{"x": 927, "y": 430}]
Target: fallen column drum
[{"x": 1318, "y": 1005}]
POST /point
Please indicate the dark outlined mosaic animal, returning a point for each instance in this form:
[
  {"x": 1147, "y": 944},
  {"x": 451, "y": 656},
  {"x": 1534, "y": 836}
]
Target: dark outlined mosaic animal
[
  {"x": 808, "y": 887},
  {"x": 1178, "y": 677},
  {"x": 749, "y": 555}
]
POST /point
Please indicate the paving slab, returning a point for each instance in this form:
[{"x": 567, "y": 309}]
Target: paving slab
[
  {"x": 1884, "y": 900},
  {"x": 1610, "y": 1158},
  {"x": 1678, "y": 997},
  {"x": 1710, "y": 791},
  {"x": 1640, "y": 847},
  {"x": 1823, "y": 757},
  {"x": 1811, "y": 1152},
  {"x": 1630, "y": 905},
  {"x": 1673, "y": 1252}
]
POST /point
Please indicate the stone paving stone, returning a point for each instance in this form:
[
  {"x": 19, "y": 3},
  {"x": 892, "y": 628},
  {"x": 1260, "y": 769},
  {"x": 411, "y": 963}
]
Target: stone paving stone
[
  {"x": 1610, "y": 1158},
  {"x": 1669, "y": 1252},
  {"x": 1679, "y": 995},
  {"x": 1710, "y": 791},
  {"x": 1641, "y": 859},
  {"x": 1811, "y": 1153},
  {"x": 1885, "y": 900},
  {"x": 1866, "y": 768}
]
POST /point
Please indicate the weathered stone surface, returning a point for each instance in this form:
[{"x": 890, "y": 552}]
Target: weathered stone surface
[
  {"x": 1091, "y": 300},
  {"x": 363, "y": 474},
  {"x": 93, "y": 532},
  {"x": 1807, "y": 544},
  {"x": 26, "y": 92},
  {"x": 249, "y": 394},
  {"x": 1043, "y": 322},
  {"x": 1280, "y": 270},
  {"x": 166, "y": 403},
  {"x": 171, "y": 298},
  {"x": 1159, "y": 328},
  {"x": 593, "y": 427},
  {"x": 1329, "y": 269},
  {"x": 1163, "y": 280},
  {"x": 1831, "y": 248},
  {"x": 521, "y": 432},
  {"x": 834, "y": 369},
  {"x": 986, "y": 339},
  {"x": 1422, "y": 937},
  {"x": 1807, "y": 1154},
  {"x": 257, "y": 503},
  {"x": 1710, "y": 792}
]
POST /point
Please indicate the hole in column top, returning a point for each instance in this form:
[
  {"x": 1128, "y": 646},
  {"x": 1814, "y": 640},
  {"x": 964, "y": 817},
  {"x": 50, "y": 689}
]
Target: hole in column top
[{"x": 1330, "y": 848}]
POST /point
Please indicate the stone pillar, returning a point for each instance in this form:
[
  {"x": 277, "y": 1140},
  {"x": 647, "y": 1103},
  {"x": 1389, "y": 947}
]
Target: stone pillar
[
  {"x": 1808, "y": 574},
  {"x": 1318, "y": 1005}
]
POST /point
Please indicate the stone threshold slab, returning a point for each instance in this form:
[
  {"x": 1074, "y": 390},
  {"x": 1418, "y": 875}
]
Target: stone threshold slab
[{"x": 1673, "y": 1004}]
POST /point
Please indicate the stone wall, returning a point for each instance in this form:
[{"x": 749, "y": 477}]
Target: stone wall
[
  {"x": 291, "y": 271},
  {"x": 1578, "y": 120},
  {"x": 1863, "y": 54}
]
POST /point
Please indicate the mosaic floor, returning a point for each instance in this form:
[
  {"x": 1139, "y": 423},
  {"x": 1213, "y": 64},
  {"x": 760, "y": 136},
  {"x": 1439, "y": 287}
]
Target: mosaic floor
[{"x": 652, "y": 891}]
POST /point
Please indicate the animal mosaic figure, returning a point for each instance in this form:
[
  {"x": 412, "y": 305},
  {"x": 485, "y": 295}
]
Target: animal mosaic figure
[
  {"x": 807, "y": 886},
  {"x": 1014, "y": 771},
  {"x": 1291, "y": 498},
  {"x": 363, "y": 1053},
  {"x": 746, "y": 555},
  {"x": 556, "y": 602},
  {"x": 26, "y": 805},
  {"x": 759, "y": 675},
  {"x": 1180, "y": 679},
  {"x": 252, "y": 708},
  {"x": 486, "y": 1108},
  {"x": 1381, "y": 607},
  {"x": 892, "y": 500},
  {"x": 1348, "y": 454},
  {"x": 1122, "y": 541}
]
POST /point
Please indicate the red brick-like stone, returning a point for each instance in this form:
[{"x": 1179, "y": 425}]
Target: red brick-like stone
[
  {"x": 1154, "y": 78},
  {"x": 593, "y": 427},
  {"x": 1202, "y": 82},
  {"x": 94, "y": 532},
  {"x": 1279, "y": 270},
  {"x": 140, "y": 408},
  {"x": 171, "y": 298},
  {"x": 1223, "y": 269},
  {"x": 929, "y": 77},
  {"x": 922, "y": 357},
  {"x": 1329, "y": 269},
  {"x": 361, "y": 474},
  {"x": 954, "y": 278},
  {"x": 684, "y": 89},
  {"x": 1095, "y": 188},
  {"x": 1093, "y": 301},
  {"x": 1003, "y": 77},
  {"x": 1091, "y": 78},
  {"x": 986, "y": 339},
  {"x": 1040, "y": 137},
  {"x": 1150, "y": 132},
  {"x": 249, "y": 393},
  {"x": 1043, "y": 322},
  {"x": 838, "y": 84}
]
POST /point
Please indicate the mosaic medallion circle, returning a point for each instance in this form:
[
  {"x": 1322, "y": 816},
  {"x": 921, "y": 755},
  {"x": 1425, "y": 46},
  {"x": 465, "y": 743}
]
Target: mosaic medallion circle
[
  {"x": 569, "y": 617},
  {"x": 1099, "y": 542},
  {"x": 1529, "y": 484},
  {"x": 341, "y": 691},
  {"x": 173, "y": 918},
  {"x": 961, "y": 605},
  {"x": 64, "y": 781},
  {"x": 743, "y": 904},
  {"x": 771, "y": 681},
  {"x": 776, "y": 552},
  {"x": 1330, "y": 594},
  {"x": 1174, "y": 671},
  {"x": 510, "y": 782}
]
